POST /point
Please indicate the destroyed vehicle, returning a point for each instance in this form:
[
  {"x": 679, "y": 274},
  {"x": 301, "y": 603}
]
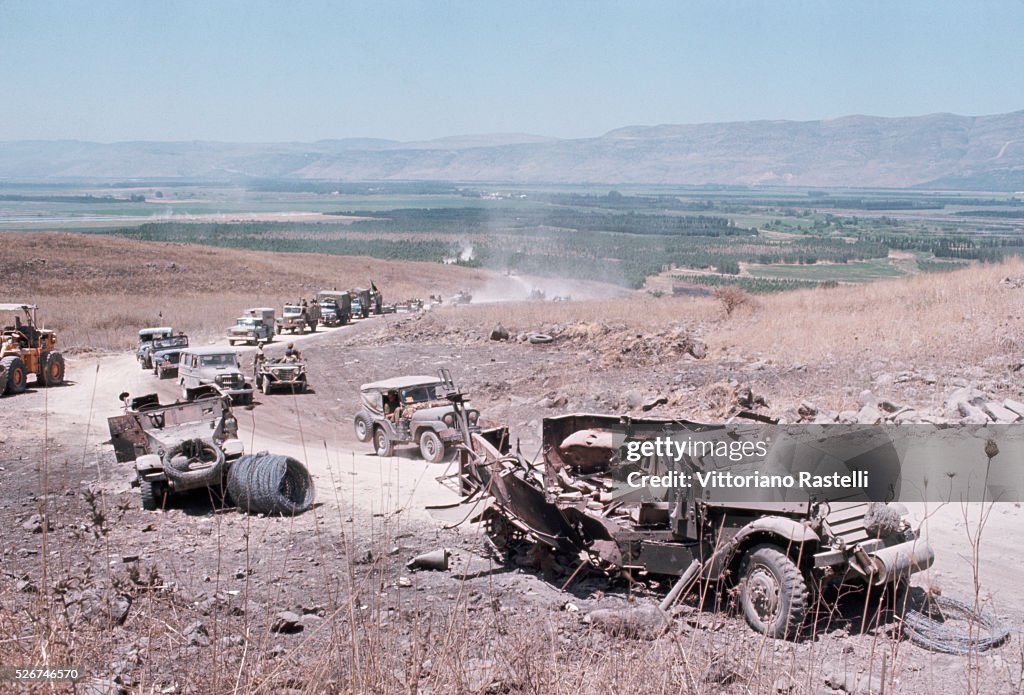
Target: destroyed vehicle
[
  {"x": 146, "y": 338},
  {"x": 26, "y": 349},
  {"x": 166, "y": 353},
  {"x": 203, "y": 368},
  {"x": 177, "y": 447},
  {"x": 188, "y": 446},
  {"x": 774, "y": 552},
  {"x": 423, "y": 414},
  {"x": 255, "y": 326},
  {"x": 281, "y": 373},
  {"x": 335, "y": 307},
  {"x": 296, "y": 318}
]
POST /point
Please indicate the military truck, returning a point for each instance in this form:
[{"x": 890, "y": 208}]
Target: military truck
[
  {"x": 776, "y": 552},
  {"x": 145, "y": 344},
  {"x": 254, "y": 326},
  {"x": 361, "y": 302},
  {"x": 335, "y": 307},
  {"x": 426, "y": 417},
  {"x": 297, "y": 318},
  {"x": 27, "y": 350},
  {"x": 176, "y": 447}
]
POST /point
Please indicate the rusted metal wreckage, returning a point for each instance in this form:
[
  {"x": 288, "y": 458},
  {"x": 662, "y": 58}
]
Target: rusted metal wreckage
[{"x": 779, "y": 553}]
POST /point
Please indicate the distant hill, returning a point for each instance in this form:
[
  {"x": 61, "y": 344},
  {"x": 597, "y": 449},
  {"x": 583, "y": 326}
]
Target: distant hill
[{"x": 941, "y": 150}]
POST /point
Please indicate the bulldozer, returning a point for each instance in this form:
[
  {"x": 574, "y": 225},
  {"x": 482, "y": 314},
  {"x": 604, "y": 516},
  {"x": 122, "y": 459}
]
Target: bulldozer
[{"x": 26, "y": 349}]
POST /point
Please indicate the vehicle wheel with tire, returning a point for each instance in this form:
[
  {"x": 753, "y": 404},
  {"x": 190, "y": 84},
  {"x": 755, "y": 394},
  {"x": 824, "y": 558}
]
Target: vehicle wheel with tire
[
  {"x": 17, "y": 378},
  {"x": 431, "y": 447},
  {"x": 152, "y": 495},
  {"x": 53, "y": 369},
  {"x": 773, "y": 592},
  {"x": 362, "y": 428},
  {"x": 382, "y": 443},
  {"x": 265, "y": 385}
]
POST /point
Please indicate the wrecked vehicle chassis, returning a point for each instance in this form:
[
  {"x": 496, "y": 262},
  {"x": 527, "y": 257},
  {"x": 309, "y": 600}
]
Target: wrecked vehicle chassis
[
  {"x": 779, "y": 555},
  {"x": 176, "y": 447}
]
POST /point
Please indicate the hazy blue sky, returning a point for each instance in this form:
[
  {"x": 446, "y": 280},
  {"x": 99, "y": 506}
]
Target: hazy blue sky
[{"x": 262, "y": 71}]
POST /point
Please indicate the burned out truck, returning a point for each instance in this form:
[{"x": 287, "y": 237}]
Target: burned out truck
[
  {"x": 177, "y": 447},
  {"x": 628, "y": 507}
]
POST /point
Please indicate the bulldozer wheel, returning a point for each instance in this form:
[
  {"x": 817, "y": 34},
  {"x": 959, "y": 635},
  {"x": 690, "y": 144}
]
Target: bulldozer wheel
[
  {"x": 53, "y": 369},
  {"x": 17, "y": 379}
]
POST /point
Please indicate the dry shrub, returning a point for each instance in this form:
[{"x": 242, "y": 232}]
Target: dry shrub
[{"x": 732, "y": 298}]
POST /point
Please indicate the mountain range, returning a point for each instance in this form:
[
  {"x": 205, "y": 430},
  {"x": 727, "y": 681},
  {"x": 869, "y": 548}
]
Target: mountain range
[{"x": 934, "y": 151}]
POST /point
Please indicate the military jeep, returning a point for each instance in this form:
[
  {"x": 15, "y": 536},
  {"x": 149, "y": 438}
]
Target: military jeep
[
  {"x": 426, "y": 416},
  {"x": 280, "y": 373},
  {"x": 165, "y": 354}
]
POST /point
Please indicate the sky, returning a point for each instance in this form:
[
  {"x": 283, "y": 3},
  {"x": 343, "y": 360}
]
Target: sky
[{"x": 256, "y": 71}]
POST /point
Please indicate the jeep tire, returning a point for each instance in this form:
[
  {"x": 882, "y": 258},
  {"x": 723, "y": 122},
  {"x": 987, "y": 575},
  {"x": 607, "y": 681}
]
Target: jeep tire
[
  {"x": 382, "y": 443},
  {"x": 362, "y": 428},
  {"x": 431, "y": 447},
  {"x": 773, "y": 592}
]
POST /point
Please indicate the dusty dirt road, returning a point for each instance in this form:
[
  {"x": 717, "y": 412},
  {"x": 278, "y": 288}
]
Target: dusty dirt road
[{"x": 370, "y": 507}]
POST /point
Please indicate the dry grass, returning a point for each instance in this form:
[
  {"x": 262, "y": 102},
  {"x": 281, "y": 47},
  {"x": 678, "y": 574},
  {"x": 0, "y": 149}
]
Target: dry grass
[{"x": 950, "y": 319}]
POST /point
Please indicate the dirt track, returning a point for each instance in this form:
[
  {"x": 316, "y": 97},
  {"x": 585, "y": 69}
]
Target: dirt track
[{"x": 367, "y": 504}]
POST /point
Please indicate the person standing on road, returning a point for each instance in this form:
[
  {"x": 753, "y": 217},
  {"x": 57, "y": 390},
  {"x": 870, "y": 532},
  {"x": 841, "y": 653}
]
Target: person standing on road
[{"x": 259, "y": 359}]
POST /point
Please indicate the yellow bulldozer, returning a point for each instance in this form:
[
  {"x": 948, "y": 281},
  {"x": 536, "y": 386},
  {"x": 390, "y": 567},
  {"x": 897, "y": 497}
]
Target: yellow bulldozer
[{"x": 26, "y": 349}]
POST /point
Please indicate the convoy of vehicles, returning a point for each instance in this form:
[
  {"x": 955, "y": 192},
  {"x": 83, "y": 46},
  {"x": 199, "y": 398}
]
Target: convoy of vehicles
[{"x": 255, "y": 326}]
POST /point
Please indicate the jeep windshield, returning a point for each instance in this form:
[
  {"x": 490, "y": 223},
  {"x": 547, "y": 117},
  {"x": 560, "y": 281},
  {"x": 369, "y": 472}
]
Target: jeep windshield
[
  {"x": 224, "y": 360},
  {"x": 423, "y": 393},
  {"x": 293, "y": 311},
  {"x": 177, "y": 341}
]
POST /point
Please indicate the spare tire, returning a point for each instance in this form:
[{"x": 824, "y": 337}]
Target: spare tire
[
  {"x": 270, "y": 484},
  {"x": 539, "y": 339},
  {"x": 194, "y": 462}
]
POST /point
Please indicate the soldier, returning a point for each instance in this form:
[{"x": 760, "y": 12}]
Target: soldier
[
  {"x": 392, "y": 406},
  {"x": 292, "y": 353},
  {"x": 259, "y": 359}
]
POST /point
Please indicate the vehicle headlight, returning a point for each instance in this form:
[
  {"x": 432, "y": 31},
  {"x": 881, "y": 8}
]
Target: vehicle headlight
[
  {"x": 473, "y": 416},
  {"x": 448, "y": 419}
]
